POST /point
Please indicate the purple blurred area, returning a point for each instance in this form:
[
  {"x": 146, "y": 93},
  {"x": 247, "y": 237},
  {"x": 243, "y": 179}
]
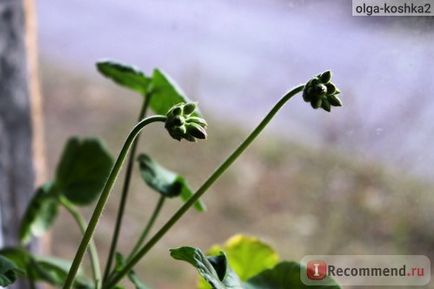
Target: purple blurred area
[{"x": 237, "y": 57}]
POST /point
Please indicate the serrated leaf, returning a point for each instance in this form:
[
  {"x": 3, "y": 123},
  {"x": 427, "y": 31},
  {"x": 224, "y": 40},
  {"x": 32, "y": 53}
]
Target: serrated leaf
[
  {"x": 214, "y": 269},
  {"x": 125, "y": 75},
  {"x": 83, "y": 170},
  {"x": 164, "y": 181},
  {"x": 165, "y": 93},
  {"x": 40, "y": 214},
  {"x": 8, "y": 272},
  {"x": 283, "y": 276}
]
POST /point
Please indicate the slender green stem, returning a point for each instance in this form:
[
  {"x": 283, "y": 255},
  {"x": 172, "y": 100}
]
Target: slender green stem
[
  {"x": 124, "y": 194},
  {"x": 148, "y": 226},
  {"x": 99, "y": 208},
  {"x": 93, "y": 253},
  {"x": 217, "y": 173}
]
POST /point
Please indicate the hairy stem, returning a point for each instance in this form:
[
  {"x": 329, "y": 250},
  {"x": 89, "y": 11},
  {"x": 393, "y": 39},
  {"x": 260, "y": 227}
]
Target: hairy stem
[
  {"x": 124, "y": 194},
  {"x": 99, "y": 208},
  {"x": 205, "y": 186},
  {"x": 93, "y": 253},
  {"x": 148, "y": 226}
]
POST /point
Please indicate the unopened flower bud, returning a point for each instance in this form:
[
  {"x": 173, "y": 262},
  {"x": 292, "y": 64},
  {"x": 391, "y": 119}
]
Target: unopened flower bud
[
  {"x": 316, "y": 103},
  {"x": 331, "y": 88},
  {"x": 326, "y": 77},
  {"x": 196, "y": 131},
  {"x": 334, "y": 100},
  {"x": 189, "y": 108},
  {"x": 198, "y": 120},
  {"x": 182, "y": 124},
  {"x": 325, "y": 105},
  {"x": 320, "y": 92},
  {"x": 177, "y": 110}
]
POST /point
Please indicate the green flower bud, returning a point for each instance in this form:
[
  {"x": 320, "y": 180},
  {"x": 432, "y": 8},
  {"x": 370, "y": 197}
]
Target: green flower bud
[
  {"x": 181, "y": 124},
  {"x": 196, "y": 131},
  {"x": 316, "y": 103},
  {"x": 320, "y": 92},
  {"x": 325, "y": 105},
  {"x": 334, "y": 100},
  {"x": 178, "y": 120},
  {"x": 178, "y": 132},
  {"x": 198, "y": 120},
  {"x": 326, "y": 77},
  {"x": 306, "y": 96},
  {"x": 189, "y": 108},
  {"x": 177, "y": 110},
  {"x": 331, "y": 88},
  {"x": 190, "y": 138}
]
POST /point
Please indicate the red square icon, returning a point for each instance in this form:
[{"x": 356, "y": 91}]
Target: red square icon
[{"x": 316, "y": 270}]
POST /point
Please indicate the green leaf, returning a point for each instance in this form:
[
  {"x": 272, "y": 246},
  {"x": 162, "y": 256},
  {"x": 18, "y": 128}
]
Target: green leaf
[
  {"x": 247, "y": 255},
  {"x": 164, "y": 181},
  {"x": 8, "y": 272},
  {"x": 214, "y": 269},
  {"x": 19, "y": 256},
  {"x": 165, "y": 93},
  {"x": 283, "y": 276},
  {"x": 46, "y": 269},
  {"x": 124, "y": 75},
  {"x": 83, "y": 170},
  {"x": 54, "y": 271},
  {"x": 40, "y": 214}
]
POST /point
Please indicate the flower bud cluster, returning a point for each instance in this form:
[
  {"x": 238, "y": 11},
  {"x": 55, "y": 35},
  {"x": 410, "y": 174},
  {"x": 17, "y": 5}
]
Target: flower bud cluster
[
  {"x": 183, "y": 123},
  {"x": 320, "y": 92}
]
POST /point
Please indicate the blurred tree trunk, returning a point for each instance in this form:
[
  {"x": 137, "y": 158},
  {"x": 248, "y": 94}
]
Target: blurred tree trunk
[{"x": 20, "y": 117}]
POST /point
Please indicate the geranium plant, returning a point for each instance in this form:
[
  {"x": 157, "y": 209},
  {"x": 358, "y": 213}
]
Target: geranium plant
[{"x": 86, "y": 172}]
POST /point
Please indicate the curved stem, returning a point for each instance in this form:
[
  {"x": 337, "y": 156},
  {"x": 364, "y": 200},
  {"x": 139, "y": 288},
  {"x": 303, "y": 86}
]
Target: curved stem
[
  {"x": 93, "y": 253},
  {"x": 104, "y": 197},
  {"x": 148, "y": 226},
  {"x": 217, "y": 173},
  {"x": 124, "y": 194}
]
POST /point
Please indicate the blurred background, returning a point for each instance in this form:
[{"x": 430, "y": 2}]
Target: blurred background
[{"x": 357, "y": 180}]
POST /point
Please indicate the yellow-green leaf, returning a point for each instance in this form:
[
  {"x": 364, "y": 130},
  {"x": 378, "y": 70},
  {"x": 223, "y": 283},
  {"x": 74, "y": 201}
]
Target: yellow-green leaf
[{"x": 247, "y": 256}]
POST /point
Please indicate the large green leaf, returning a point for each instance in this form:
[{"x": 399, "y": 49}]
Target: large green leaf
[
  {"x": 285, "y": 275},
  {"x": 46, "y": 269},
  {"x": 164, "y": 181},
  {"x": 165, "y": 93},
  {"x": 214, "y": 269},
  {"x": 8, "y": 272},
  {"x": 83, "y": 170},
  {"x": 124, "y": 75},
  {"x": 40, "y": 214}
]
